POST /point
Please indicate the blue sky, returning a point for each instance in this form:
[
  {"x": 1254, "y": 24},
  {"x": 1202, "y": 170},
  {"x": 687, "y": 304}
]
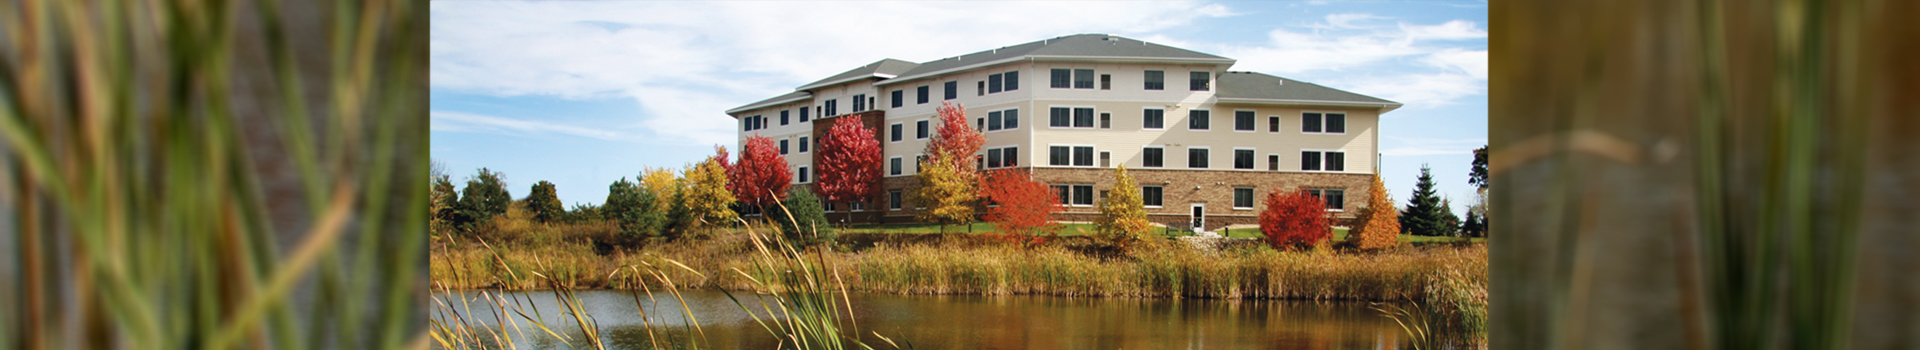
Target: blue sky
[{"x": 584, "y": 93}]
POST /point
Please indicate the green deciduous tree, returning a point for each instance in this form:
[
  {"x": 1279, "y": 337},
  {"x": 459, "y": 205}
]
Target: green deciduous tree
[
  {"x": 1123, "y": 218},
  {"x": 485, "y": 196},
  {"x": 544, "y": 201},
  {"x": 1424, "y": 215}
]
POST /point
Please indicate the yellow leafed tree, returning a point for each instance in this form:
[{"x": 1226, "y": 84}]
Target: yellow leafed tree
[
  {"x": 948, "y": 196},
  {"x": 1122, "y": 217},
  {"x": 665, "y": 186},
  {"x": 1379, "y": 223},
  {"x": 705, "y": 197}
]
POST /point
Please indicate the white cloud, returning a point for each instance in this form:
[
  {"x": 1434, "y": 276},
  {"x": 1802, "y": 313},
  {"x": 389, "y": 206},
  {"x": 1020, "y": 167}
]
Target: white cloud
[
  {"x": 1345, "y": 20},
  {"x": 1452, "y": 30},
  {"x": 1416, "y": 146},
  {"x": 468, "y": 122},
  {"x": 1420, "y": 90},
  {"x": 1471, "y": 62},
  {"x": 1342, "y": 44}
]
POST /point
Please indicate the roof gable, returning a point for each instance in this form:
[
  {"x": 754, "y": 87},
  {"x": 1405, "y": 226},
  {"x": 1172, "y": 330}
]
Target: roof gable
[{"x": 1250, "y": 85}]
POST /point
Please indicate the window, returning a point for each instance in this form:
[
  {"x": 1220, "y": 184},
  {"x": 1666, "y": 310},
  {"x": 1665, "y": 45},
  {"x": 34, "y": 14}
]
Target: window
[
  {"x": 1061, "y": 77},
  {"x": 859, "y": 102},
  {"x": 1012, "y": 80},
  {"x": 893, "y": 200},
  {"x": 1273, "y": 124},
  {"x": 803, "y": 175},
  {"x": 1106, "y": 120},
  {"x": 1336, "y": 199},
  {"x": 1243, "y": 120},
  {"x": 1012, "y": 118},
  {"x": 1083, "y": 78},
  {"x": 803, "y": 114},
  {"x": 896, "y": 129},
  {"x": 993, "y": 158},
  {"x": 857, "y": 206},
  {"x": 1082, "y": 194},
  {"x": 1009, "y": 157},
  {"x": 1059, "y": 117},
  {"x": 1070, "y": 155},
  {"x": 1326, "y": 161},
  {"x": 783, "y": 146},
  {"x": 1243, "y": 159},
  {"x": 980, "y": 123},
  {"x": 1083, "y": 117},
  {"x": 1150, "y": 196},
  {"x": 1106, "y": 159},
  {"x": 1153, "y": 157},
  {"x": 899, "y": 97},
  {"x": 953, "y": 90},
  {"x": 1156, "y": 80},
  {"x": 783, "y": 117},
  {"x": 1106, "y": 82},
  {"x": 922, "y": 93},
  {"x": 1153, "y": 119},
  {"x": 893, "y": 166},
  {"x": 1199, "y": 81},
  {"x": 1062, "y": 117},
  {"x": 1197, "y": 158},
  {"x": 746, "y": 124},
  {"x": 1198, "y": 120},
  {"x": 993, "y": 83},
  {"x": 1242, "y": 198},
  {"x": 1331, "y": 123},
  {"x": 1273, "y": 162},
  {"x": 828, "y": 206},
  {"x": 982, "y": 91},
  {"x": 993, "y": 120},
  {"x": 803, "y": 144},
  {"x": 833, "y": 108},
  {"x": 920, "y": 130}
]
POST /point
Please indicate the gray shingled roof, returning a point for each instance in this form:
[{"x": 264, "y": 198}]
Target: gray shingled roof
[
  {"x": 1262, "y": 86},
  {"x": 889, "y": 67},
  {"x": 770, "y": 101},
  {"x": 1079, "y": 45}
]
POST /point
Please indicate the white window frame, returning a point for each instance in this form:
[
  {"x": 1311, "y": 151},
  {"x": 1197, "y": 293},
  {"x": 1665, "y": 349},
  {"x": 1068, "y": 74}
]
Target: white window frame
[
  {"x": 1323, "y": 199},
  {"x": 786, "y": 144},
  {"x": 1163, "y": 118},
  {"x": 989, "y": 130},
  {"x": 1003, "y": 155},
  {"x": 1278, "y": 122},
  {"x": 1251, "y": 167},
  {"x": 1090, "y": 189},
  {"x": 1256, "y": 121},
  {"x": 903, "y": 167},
  {"x": 1143, "y": 156},
  {"x": 1189, "y": 157},
  {"x": 1070, "y": 108},
  {"x": 804, "y": 179},
  {"x": 1252, "y": 202},
  {"x": 1323, "y": 122},
  {"x": 1190, "y": 122},
  {"x": 896, "y": 138},
  {"x": 916, "y": 128},
  {"x": 805, "y": 141},
  {"x": 1163, "y": 196},
  {"x": 1323, "y": 159},
  {"x": 1093, "y": 161},
  {"x": 894, "y": 197}
]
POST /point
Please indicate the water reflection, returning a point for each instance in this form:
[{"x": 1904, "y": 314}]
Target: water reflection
[{"x": 978, "y": 322}]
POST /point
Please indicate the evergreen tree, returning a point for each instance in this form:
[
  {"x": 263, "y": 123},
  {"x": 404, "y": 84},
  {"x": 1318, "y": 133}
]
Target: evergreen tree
[
  {"x": 445, "y": 202},
  {"x": 544, "y": 201},
  {"x": 1122, "y": 219},
  {"x": 485, "y": 196},
  {"x": 1449, "y": 222},
  {"x": 1478, "y": 175},
  {"x": 632, "y": 206},
  {"x": 1473, "y": 226},
  {"x": 1424, "y": 216},
  {"x": 804, "y": 221}
]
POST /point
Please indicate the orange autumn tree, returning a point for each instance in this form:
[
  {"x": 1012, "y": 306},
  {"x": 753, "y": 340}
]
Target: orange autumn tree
[
  {"x": 849, "y": 162},
  {"x": 1294, "y": 219},
  {"x": 949, "y": 186},
  {"x": 1378, "y": 225},
  {"x": 1024, "y": 206}
]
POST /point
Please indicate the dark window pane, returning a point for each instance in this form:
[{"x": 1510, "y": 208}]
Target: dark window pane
[
  {"x": 1059, "y": 117},
  {"x": 1196, "y": 158},
  {"x": 1336, "y": 122},
  {"x": 803, "y": 114},
  {"x": 1083, "y": 78},
  {"x": 1083, "y": 156},
  {"x": 1336, "y": 199},
  {"x": 1273, "y": 162},
  {"x": 1083, "y": 194},
  {"x": 920, "y": 129},
  {"x": 1154, "y": 119},
  {"x": 982, "y": 89},
  {"x": 1083, "y": 117},
  {"x": 1106, "y": 120},
  {"x": 1106, "y": 82},
  {"x": 893, "y": 199},
  {"x": 1243, "y": 159},
  {"x": 1198, "y": 81},
  {"x": 1336, "y": 161},
  {"x": 899, "y": 97},
  {"x": 922, "y": 94},
  {"x": 893, "y": 166},
  {"x": 896, "y": 132},
  {"x": 1012, "y": 80},
  {"x": 1242, "y": 198},
  {"x": 1199, "y": 120},
  {"x": 1012, "y": 119},
  {"x": 1061, "y": 77},
  {"x": 1273, "y": 124},
  {"x": 1153, "y": 157},
  {"x": 783, "y": 117},
  {"x": 1309, "y": 160},
  {"x": 1057, "y": 155},
  {"x": 1243, "y": 120},
  {"x": 993, "y": 83},
  {"x": 1011, "y": 156},
  {"x": 1310, "y": 122},
  {"x": 953, "y": 90},
  {"x": 859, "y": 102},
  {"x": 783, "y": 146},
  {"x": 993, "y": 120},
  {"x": 1150, "y": 196},
  {"x": 993, "y": 158},
  {"x": 804, "y": 144},
  {"x": 1156, "y": 80},
  {"x": 1065, "y": 197}
]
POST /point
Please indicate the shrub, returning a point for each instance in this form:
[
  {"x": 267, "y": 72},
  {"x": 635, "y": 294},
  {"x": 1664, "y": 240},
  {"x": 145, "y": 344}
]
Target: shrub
[
  {"x": 1294, "y": 219},
  {"x": 1025, "y": 206},
  {"x": 804, "y": 222}
]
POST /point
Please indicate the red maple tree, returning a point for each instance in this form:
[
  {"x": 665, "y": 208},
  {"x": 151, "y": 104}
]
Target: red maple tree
[
  {"x": 1294, "y": 219},
  {"x": 955, "y": 141},
  {"x": 761, "y": 175},
  {"x": 1025, "y": 206},
  {"x": 849, "y": 161}
]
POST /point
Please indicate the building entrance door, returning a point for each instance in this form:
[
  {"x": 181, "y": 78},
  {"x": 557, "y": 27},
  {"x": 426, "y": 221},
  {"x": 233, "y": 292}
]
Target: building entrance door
[{"x": 1199, "y": 217}]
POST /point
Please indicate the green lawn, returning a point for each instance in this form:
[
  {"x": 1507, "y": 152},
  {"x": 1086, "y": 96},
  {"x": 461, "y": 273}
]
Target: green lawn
[{"x": 1084, "y": 229}]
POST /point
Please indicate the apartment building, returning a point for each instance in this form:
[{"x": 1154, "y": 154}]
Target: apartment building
[{"x": 1204, "y": 143}]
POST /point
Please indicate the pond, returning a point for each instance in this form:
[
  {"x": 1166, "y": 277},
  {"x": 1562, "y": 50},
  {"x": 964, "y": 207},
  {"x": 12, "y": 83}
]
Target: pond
[{"x": 965, "y": 322}]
